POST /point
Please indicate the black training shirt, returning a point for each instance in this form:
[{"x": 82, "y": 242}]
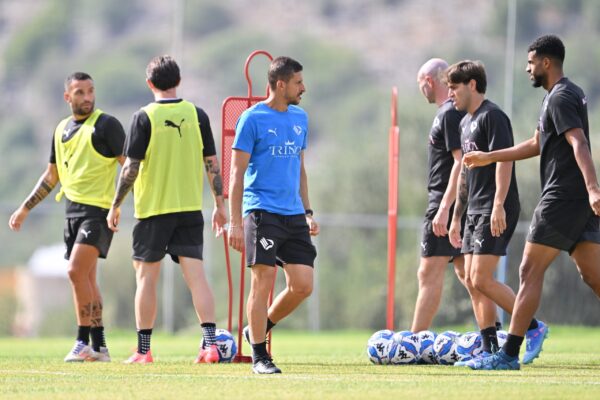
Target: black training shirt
[
  {"x": 139, "y": 135},
  {"x": 108, "y": 139},
  {"x": 444, "y": 137},
  {"x": 563, "y": 108},
  {"x": 488, "y": 129}
]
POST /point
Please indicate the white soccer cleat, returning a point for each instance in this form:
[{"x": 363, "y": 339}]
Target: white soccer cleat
[
  {"x": 101, "y": 355},
  {"x": 79, "y": 353}
]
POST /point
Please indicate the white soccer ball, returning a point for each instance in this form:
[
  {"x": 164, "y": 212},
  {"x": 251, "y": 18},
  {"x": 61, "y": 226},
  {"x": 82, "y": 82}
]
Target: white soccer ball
[
  {"x": 502, "y": 336},
  {"x": 225, "y": 344},
  {"x": 469, "y": 345},
  {"x": 427, "y": 355},
  {"x": 444, "y": 348},
  {"x": 406, "y": 348},
  {"x": 379, "y": 346}
]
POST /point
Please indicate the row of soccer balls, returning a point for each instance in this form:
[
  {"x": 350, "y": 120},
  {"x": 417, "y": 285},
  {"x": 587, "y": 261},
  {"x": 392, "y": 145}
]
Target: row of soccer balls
[{"x": 425, "y": 347}]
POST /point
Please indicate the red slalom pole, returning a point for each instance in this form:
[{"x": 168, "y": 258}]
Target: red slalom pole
[{"x": 394, "y": 136}]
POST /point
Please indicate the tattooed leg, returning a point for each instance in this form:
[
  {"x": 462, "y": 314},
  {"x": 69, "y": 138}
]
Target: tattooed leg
[{"x": 96, "y": 313}]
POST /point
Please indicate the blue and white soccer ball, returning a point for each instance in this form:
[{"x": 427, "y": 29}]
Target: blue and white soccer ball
[
  {"x": 444, "y": 348},
  {"x": 406, "y": 348},
  {"x": 502, "y": 336},
  {"x": 469, "y": 345},
  {"x": 427, "y": 355},
  {"x": 379, "y": 346},
  {"x": 225, "y": 344}
]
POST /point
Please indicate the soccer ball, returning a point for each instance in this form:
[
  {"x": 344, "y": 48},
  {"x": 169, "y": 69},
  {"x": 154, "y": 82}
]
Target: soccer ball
[
  {"x": 406, "y": 348},
  {"x": 426, "y": 339},
  {"x": 225, "y": 344},
  {"x": 469, "y": 345},
  {"x": 444, "y": 348},
  {"x": 379, "y": 346},
  {"x": 502, "y": 336}
]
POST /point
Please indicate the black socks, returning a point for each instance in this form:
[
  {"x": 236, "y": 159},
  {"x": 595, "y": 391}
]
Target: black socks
[
  {"x": 83, "y": 334},
  {"x": 144, "y": 336}
]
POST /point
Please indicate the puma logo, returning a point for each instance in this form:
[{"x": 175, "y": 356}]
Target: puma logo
[
  {"x": 172, "y": 124},
  {"x": 85, "y": 233},
  {"x": 273, "y": 131},
  {"x": 479, "y": 242},
  {"x": 424, "y": 245}
]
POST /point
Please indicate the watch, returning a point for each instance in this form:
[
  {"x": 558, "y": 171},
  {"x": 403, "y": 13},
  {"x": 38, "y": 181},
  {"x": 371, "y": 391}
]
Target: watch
[{"x": 309, "y": 211}]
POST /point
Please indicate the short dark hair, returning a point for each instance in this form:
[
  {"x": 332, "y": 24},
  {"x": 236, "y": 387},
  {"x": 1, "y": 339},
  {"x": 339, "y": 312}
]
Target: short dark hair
[
  {"x": 464, "y": 71},
  {"x": 282, "y": 69},
  {"x": 163, "y": 72},
  {"x": 548, "y": 46},
  {"x": 76, "y": 76}
]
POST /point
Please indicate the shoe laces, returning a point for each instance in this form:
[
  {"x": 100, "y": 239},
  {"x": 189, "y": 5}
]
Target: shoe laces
[
  {"x": 78, "y": 347},
  {"x": 267, "y": 361}
]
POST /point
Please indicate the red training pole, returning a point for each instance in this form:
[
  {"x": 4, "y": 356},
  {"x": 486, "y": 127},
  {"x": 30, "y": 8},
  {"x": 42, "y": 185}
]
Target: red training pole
[{"x": 394, "y": 135}]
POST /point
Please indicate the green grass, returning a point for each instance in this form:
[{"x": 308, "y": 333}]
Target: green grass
[{"x": 315, "y": 366}]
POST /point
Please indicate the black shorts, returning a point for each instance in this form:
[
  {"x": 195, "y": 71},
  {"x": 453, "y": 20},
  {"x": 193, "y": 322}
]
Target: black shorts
[
  {"x": 272, "y": 239},
  {"x": 179, "y": 234},
  {"x": 93, "y": 231},
  {"x": 432, "y": 245},
  {"x": 478, "y": 238},
  {"x": 564, "y": 223}
]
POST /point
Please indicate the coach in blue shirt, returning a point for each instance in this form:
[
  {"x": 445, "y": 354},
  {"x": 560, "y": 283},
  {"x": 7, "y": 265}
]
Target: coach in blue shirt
[{"x": 270, "y": 211}]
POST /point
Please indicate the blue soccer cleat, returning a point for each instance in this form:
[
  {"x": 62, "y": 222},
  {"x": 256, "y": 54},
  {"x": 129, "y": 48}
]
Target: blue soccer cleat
[
  {"x": 497, "y": 361},
  {"x": 534, "y": 338},
  {"x": 466, "y": 363}
]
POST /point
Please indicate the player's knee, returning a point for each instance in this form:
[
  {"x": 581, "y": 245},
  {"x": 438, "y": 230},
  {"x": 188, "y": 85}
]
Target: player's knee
[
  {"x": 481, "y": 282},
  {"x": 303, "y": 289},
  {"x": 460, "y": 274},
  {"x": 422, "y": 275},
  {"x": 527, "y": 272},
  {"x": 76, "y": 275},
  {"x": 426, "y": 276}
]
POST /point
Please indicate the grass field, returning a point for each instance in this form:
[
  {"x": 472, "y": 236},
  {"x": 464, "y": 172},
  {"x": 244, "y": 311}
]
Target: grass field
[{"x": 330, "y": 365}]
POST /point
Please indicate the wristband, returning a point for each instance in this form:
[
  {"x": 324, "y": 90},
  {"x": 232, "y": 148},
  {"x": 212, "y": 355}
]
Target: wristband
[{"x": 309, "y": 211}]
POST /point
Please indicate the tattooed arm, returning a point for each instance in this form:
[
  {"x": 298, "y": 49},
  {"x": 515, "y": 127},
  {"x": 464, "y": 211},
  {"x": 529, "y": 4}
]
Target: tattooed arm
[
  {"x": 44, "y": 186},
  {"x": 213, "y": 173},
  {"x": 460, "y": 206},
  {"x": 129, "y": 173}
]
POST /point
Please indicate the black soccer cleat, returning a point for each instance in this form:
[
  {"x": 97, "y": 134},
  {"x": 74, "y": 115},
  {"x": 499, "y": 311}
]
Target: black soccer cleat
[{"x": 265, "y": 366}]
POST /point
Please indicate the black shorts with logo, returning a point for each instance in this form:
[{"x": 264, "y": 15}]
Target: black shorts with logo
[
  {"x": 179, "y": 234},
  {"x": 432, "y": 245},
  {"x": 563, "y": 224},
  {"x": 478, "y": 238},
  {"x": 272, "y": 239},
  {"x": 93, "y": 231}
]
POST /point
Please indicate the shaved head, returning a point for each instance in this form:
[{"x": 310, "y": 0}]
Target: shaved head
[
  {"x": 434, "y": 68},
  {"x": 430, "y": 79}
]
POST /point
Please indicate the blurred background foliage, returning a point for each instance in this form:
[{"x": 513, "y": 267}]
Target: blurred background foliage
[{"x": 353, "y": 53}]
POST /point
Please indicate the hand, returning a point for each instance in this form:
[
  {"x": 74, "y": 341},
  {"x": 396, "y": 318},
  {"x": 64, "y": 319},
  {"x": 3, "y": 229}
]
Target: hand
[
  {"x": 476, "y": 159},
  {"x": 498, "y": 221},
  {"x": 236, "y": 236},
  {"x": 17, "y": 218},
  {"x": 454, "y": 234},
  {"x": 594, "y": 197},
  {"x": 440, "y": 222},
  {"x": 113, "y": 218},
  {"x": 219, "y": 220},
  {"x": 313, "y": 226}
]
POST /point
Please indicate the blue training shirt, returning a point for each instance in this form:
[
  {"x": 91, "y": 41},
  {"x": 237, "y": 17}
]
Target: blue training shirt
[{"x": 274, "y": 140}]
